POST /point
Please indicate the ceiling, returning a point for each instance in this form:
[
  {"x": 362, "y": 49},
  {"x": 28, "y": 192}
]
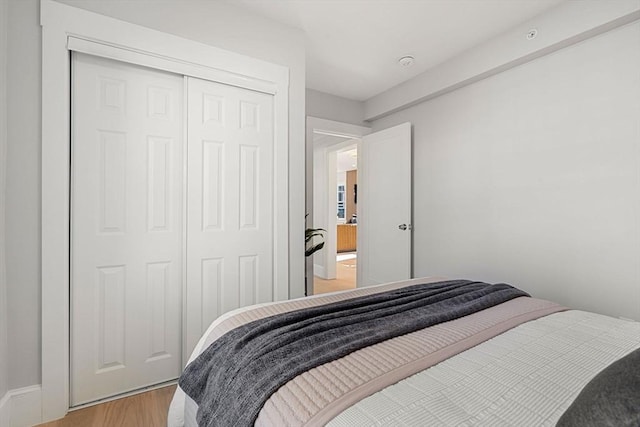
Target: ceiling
[
  {"x": 352, "y": 46},
  {"x": 347, "y": 159}
]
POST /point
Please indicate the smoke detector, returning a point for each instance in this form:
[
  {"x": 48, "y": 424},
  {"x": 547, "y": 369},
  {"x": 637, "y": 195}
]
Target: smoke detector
[{"x": 406, "y": 61}]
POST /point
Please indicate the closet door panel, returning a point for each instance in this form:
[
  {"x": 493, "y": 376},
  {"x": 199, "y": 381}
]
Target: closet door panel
[
  {"x": 230, "y": 212},
  {"x": 127, "y": 227}
]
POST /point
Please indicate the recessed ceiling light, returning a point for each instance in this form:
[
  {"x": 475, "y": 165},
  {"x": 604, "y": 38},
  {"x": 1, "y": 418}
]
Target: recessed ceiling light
[{"x": 406, "y": 61}]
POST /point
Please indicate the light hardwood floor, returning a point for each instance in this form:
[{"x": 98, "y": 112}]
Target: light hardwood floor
[
  {"x": 147, "y": 409},
  {"x": 345, "y": 278}
]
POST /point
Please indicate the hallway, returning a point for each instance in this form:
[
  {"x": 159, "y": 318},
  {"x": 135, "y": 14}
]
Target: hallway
[{"x": 345, "y": 275}]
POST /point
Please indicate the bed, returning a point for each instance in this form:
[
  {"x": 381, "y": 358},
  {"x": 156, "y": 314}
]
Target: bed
[{"x": 463, "y": 354}]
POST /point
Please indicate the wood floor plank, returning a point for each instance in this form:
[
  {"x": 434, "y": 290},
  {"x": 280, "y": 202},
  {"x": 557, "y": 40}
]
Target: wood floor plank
[
  {"x": 147, "y": 409},
  {"x": 345, "y": 278}
]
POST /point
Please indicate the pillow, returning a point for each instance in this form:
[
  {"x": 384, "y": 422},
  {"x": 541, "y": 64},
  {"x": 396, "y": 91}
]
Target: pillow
[{"x": 611, "y": 398}]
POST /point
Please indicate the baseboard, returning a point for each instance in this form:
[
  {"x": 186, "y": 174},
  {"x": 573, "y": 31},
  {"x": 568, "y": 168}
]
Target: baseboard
[
  {"x": 21, "y": 407},
  {"x": 4, "y": 410}
]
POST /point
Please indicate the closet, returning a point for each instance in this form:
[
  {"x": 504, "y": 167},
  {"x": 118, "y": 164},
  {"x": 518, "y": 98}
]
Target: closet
[{"x": 172, "y": 218}]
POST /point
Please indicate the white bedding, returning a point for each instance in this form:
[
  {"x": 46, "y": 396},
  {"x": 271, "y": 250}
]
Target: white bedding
[{"x": 526, "y": 376}]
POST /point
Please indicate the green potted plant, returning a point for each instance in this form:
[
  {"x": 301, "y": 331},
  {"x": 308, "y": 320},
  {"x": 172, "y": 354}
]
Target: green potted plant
[{"x": 309, "y": 234}]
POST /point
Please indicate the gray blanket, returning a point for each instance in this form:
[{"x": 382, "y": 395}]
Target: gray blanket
[{"x": 233, "y": 378}]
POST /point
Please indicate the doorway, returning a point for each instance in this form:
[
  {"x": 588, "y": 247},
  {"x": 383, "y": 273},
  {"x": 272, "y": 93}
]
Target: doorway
[
  {"x": 384, "y": 200},
  {"x": 331, "y": 202},
  {"x": 341, "y": 199}
]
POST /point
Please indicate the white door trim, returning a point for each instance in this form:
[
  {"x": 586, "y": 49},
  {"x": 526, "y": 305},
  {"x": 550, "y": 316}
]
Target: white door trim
[
  {"x": 333, "y": 128},
  {"x": 162, "y": 63},
  {"x": 59, "y": 22}
]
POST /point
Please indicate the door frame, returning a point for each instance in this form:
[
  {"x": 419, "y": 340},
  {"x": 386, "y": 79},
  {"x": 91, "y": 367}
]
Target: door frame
[
  {"x": 316, "y": 125},
  {"x": 66, "y": 28}
]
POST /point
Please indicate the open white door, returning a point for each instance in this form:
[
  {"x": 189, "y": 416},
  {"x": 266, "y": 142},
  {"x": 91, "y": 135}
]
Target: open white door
[{"x": 384, "y": 206}]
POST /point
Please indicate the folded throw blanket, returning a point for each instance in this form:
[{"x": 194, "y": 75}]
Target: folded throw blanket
[{"x": 232, "y": 379}]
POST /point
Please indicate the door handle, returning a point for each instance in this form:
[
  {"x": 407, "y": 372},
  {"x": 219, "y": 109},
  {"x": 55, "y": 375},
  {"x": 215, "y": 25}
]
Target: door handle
[{"x": 404, "y": 227}]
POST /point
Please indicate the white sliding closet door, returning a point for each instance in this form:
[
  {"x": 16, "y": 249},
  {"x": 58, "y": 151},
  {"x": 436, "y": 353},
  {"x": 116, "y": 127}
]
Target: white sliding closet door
[
  {"x": 127, "y": 227},
  {"x": 230, "y": 223}
]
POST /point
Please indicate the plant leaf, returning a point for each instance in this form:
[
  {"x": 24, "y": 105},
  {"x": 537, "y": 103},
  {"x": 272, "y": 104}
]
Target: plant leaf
[{"x": 313, "y": 249}]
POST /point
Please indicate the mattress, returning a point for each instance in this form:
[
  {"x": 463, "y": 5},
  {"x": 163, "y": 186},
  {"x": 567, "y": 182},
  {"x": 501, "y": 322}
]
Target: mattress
[{"x": 525, "y": 375}]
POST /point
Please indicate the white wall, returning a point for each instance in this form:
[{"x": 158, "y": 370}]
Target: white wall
[
  {"x": 4, "y": 372},
  {"x": 23, "y": 192},
  {"x": 326, "y": 106},
  {"x": 531, "y": 177},
  {"x": 318, "y": 216},
  {"x": 322, "y": 181},
  {"x": 215, "y": 23}
]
